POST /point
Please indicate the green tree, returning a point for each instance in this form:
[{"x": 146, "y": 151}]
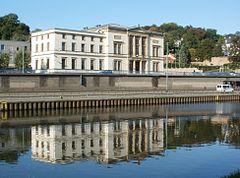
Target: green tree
[
  {"x": 184, "y": 56},
  {"x": 199, "y": 43},
  {"x": 235, "y": 48},
  {"x": 205, "y": 49},
  {"x": 192, "y": 53},
  {"x": 12, "y": 29},
  {"x": 4, "y": 60},
  {"x": 19, "y": 59}
]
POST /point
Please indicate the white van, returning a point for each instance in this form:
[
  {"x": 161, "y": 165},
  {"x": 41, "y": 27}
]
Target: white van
[{"x": 224, "y": 88}]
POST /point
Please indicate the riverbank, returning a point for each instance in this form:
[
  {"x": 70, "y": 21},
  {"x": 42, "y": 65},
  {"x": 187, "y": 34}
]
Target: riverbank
[{"x": 92, "y": 99}]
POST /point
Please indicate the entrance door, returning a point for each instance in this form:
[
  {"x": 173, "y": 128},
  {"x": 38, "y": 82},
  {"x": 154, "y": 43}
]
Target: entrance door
[
  {"x": 137, "y": 66},
  {"x": 130, "y": 66}
]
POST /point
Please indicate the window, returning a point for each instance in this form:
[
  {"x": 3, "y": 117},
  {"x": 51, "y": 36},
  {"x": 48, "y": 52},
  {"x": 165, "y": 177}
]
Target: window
[
  {"x": 73, "y": 145},
  {"x": 63, "y": 46},
  {"x": 92, "y": 64},
  {"x": 117, "y": 48},
  {"x": 143, "y": 66},
  {"x": 48, "y": 130},
  {"x": 155, "y": 66},
  {"x": 117, "y": 65},
  {"x": 42, "y": 47},
  {"x": 2, "y": 47},
  {"x": 48, "y": 146},
  {"x": 63, "y": 130},
  {"x": 36, "y": 48},
  {"x": 73, "y": 130},
  {"x": 73, "y": 37},
  {"x": 83, "y": 38},
  {"x": 143, "y": 46},
  {"x": 83, "y": 144},
  {"x": 42, "y": 64},
  {"x": 131, "y": 45},
  {"x": 48, "y": 46},
  {"x": 47, "y": 36},
  {"x": 82, "y": 47},
  {"x": 73, "y": 63},
  {"x": 73, "y": 46},
  {"x": 47, "y": 64},
  {"x": 92, "y": 38},
  {"x": 36, "y": 64},
  {"x": 101, "y": 39},
  {"x": 63, "y": 146},
  {"x": 83, "y": 61},
  {"x": 64, "y": 36},
  {"x": 100, "y": 142},
  {"x": 101, "y": 64},
  {"x": 92, "y": 48},
  {"x": 100, "y": 49},
  {"x": 63, "y": 63},
  {"x": 42, "y": 37},
  {"x": 155, "y": 51},
  {"x": 137, "y": 39}
]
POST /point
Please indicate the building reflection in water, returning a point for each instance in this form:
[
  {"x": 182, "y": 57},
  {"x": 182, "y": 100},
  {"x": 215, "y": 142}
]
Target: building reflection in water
[
  {"x": 105, "y": 142},
  {"x": 13, "y": 142}
]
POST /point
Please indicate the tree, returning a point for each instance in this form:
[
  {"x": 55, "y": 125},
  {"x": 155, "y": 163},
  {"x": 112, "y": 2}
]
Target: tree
[
  {"x": 218, "y": 48},
  {"x": 184, "y": 56},
  {"x": 12, "y": 29},
  {"x": 19, "y": 59},
  {"x": 205, "y": 49},
  {"x": 192, "y": 53},
  {"x": 199, "y": 43},
  {"x": 235, "y": 47},
  {"x": 4, "y": 60}
]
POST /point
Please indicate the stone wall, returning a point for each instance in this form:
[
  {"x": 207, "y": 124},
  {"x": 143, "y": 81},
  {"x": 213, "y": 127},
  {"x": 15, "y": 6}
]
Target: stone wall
[{"x": 18, "y": 83}]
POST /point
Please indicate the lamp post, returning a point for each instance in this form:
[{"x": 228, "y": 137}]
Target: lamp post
[
  {"x": 167, "y": 69},
  {"x": 23, "y": 60}
]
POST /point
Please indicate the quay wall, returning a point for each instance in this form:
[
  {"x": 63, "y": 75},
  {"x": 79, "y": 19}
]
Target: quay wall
[{"x": 61, "y": 82}]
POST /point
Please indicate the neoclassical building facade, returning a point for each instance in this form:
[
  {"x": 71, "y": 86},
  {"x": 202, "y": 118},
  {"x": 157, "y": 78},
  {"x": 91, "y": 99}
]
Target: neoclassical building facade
[{"x": 107, "y": 47}]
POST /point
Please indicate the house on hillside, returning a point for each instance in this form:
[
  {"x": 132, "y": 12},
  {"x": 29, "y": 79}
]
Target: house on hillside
[{"x": 12, "y": 48}]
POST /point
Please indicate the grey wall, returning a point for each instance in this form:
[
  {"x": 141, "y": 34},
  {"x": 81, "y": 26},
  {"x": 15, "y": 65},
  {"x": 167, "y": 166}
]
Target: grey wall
[{"x": 18, "y": 83}]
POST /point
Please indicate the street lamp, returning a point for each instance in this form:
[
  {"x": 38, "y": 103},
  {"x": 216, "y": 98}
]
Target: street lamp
[
  {"x": 167, "y": 69},
  {"x": 23, "y": 59}
]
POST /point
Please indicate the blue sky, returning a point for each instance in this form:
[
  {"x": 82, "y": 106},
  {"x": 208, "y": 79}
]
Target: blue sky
[{"x": 222, "y": 15}]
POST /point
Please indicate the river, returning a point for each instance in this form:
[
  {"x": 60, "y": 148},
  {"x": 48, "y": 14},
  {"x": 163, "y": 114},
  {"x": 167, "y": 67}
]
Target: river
[{"x": 185, "y": 140}]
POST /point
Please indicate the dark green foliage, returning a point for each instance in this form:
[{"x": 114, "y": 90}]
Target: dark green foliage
[
  {"x": 184, "y": 55},
  {"x": 12, "y": 29},
  {"x": 201, "y": 43},
  {"x": 4, "y": 60},
  {"x": 235, "y": 174},
  {"x": 19, "y": 59},
  {"x": 234, "y": 49}
]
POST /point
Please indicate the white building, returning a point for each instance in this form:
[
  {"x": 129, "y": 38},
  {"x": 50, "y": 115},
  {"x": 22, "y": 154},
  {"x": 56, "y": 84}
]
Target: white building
[{"x": 107, "y": 47}]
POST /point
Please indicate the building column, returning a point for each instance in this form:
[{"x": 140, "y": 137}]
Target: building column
[{"x": 140, "y": 66}]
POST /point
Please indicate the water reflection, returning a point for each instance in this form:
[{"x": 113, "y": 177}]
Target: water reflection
[
  {"x": 122, "y": 134},
  {"x": 106, "y": 142},
  {"x": 13, "y": 142}
]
